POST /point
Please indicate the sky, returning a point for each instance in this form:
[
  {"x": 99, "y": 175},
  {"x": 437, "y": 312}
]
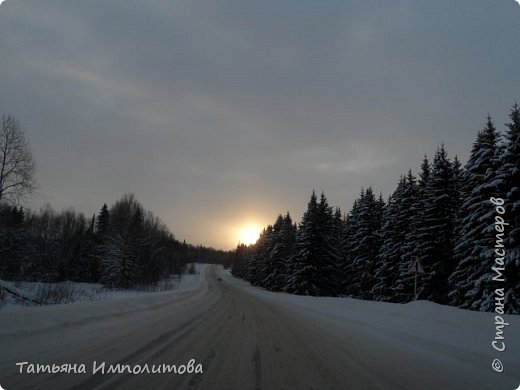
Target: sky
[{"x": 222, "y": 114}]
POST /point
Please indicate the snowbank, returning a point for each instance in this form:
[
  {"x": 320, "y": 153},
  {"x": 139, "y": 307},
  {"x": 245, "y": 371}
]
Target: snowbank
[{"x": 18, "y": 319}]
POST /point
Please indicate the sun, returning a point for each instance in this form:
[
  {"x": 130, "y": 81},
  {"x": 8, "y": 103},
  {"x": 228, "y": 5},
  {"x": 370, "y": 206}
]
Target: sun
[{"x": 249, "y": 235}]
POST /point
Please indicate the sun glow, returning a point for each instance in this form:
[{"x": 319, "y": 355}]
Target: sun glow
[{"x": 249, "y": 234}]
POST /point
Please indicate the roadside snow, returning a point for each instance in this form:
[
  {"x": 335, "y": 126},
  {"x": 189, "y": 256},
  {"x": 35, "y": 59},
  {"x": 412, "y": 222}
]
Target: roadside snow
[
  {"x": 31, "y": 293},
  {"x": 461, "y": 336},
  {"x": 22, "y": 319}
]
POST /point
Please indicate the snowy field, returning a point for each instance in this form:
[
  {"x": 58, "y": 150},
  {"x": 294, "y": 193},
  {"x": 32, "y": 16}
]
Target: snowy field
[
  {"x": 32, "y": 293},
  {"x": 249, "y": 338}
]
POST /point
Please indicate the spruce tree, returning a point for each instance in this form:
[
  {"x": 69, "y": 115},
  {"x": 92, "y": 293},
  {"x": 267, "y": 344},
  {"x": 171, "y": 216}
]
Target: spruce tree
[
  {"x": 261, "y": 262},
  {"x": 471, "y": 283},
  {"x": 282, "y": 247},
  {"x": 315, "y": 260},
  {"x": 102, "y": 222},
  {"x": 330, "y": 251},
  {"x": 339, "y": 231},
  {"x": 404, "y": 285},
  {"x": 365, "y": 245},
  {"x": 240, "y": 256},
  {"x": 118, "y": 267},
  {"x": 508, "y": 188},
  {"x": 347, "y": 265},
  {"x": 435, "y": 235},
  {"x": 391, "y": 267}
]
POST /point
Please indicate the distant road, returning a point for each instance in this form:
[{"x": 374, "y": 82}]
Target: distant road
[{"x": 242, "y": 341}]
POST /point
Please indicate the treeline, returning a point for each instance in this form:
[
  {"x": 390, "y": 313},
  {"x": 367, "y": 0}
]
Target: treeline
[
  {"x": 123, "y": 246},
  {"x": 443, "y": 218}
]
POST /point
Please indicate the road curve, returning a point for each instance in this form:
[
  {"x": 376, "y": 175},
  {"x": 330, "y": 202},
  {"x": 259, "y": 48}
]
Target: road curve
[{"x": 241, "y": 341}]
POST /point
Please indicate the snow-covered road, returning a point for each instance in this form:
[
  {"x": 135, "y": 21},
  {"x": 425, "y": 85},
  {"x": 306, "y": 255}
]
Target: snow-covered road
[{"x": 247, "y": 338}]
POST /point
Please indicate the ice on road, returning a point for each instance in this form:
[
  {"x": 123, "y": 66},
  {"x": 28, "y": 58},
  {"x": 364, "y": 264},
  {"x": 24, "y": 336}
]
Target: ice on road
[{"x": 248, "y": 338}]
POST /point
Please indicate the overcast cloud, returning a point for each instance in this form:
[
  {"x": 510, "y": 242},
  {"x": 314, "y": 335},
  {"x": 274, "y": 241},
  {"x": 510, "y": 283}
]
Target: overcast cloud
[{"x": 217, "y": 113}]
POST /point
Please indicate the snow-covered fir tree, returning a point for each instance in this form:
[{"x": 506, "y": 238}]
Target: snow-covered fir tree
[
  {"x": 129, "y": 252},
  {"x": 458, "y": 185},
  {"x": 364, "y": 245},
  {"x": 347, "y": 243},
  {"x": 403, "y": 286},
  {"x": 240, "y": 260},
  {"x": 339, "y": 231},
  {"x": 260, "y": 262},
  {"x": 282, "y": 247},
  {"x": 102, "y": 221},
  {"x": 331, "y": 251},
  {"x": 435, "y": 233},
  {"x": 118, "y": 266},
  {"x": 391, "y": 269},
  {"x": 508, "y": 188},
  {"x": 315, "y": 260},
  {"x": 471, "y": 283}
]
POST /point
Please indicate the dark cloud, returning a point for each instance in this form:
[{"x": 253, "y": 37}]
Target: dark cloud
[{"x": 217, "y": 112}]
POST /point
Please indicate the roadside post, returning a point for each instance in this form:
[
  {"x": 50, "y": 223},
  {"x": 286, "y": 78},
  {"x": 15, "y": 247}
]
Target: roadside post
[{"x": 417, "y": 269}]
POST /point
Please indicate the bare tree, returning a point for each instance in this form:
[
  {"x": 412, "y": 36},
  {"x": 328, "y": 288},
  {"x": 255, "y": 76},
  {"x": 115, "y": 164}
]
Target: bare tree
[{"x": 17, "y": 166}]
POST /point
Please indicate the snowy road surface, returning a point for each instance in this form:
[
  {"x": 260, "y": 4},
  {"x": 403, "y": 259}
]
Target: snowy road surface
[{"x": 247, "y": 338}]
